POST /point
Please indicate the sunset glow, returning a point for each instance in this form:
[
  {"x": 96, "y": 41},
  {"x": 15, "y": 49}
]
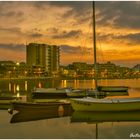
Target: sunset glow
[{"x": 69, "y": 25}]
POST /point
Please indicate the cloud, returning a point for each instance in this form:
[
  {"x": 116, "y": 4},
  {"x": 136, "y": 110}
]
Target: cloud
[
  {"x": 70, "y": 34},
  {"x": 13, "y": 47},
  {"x": 36, "y": 35},
  {"x": 11, "y": 14},
  {"x": 132, "y": 38},
  {"x": 17, "y": 31},
  {"x": 74, "y": 49},
  {"x": 128, "y": 39},
  {"x": 11, "y": 30},
  {"x": 52, "y": 30},
  {"x": 120, "y": 14},
  {"x": 80, "y": 10}
]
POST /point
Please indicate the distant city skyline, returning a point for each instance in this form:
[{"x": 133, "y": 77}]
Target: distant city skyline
[{"x": 68, "y": 24}]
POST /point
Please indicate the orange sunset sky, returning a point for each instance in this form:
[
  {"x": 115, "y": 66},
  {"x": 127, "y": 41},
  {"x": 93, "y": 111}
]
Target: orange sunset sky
[{"x": 69, "y": 25}]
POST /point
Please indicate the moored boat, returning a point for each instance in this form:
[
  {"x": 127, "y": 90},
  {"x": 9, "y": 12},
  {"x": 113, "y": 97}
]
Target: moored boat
[
  {"x": 35, "y": 114},
  {"x": 116, "y": 104},
  {"x": 117, "y": 94},
  {"x": 39, "y": 93},
  {"x": 113, "y": 88},
  {"x": 31, "y": 106},
  {"x": 76, "y": 93},
  {"x": 58, "y": 93}
]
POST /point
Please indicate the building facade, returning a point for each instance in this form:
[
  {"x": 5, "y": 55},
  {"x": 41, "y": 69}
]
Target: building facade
[{"x": 43, "y": 56}]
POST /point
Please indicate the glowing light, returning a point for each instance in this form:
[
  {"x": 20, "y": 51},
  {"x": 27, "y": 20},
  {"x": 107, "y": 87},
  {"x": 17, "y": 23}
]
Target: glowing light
[
  {"x": 39, "y": 85},
  {"x": 17, "y": 64},
  {"x": 65, "y": 83},
  {"x": 75, "y": 83},
  {"x": 9, "y": 86},
  {"x": 17, "y": 88},
  {"x": 14, "y": 88},
  {"x": 18, "y": 95},
  {"x": 26, "y": 85}
]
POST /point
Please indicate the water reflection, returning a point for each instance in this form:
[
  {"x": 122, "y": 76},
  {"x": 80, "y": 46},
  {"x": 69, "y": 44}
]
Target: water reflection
[
  {"x": 39, "y": 85},
  {"x": 17, "y": 88},
  {"x": 65, "y": 125},
  {"x": 26, "y": 85},
  {"x": 64, "y": 83},
  {"x": 82, "y": 124},
  {"x": 97, "y": 118},
  {"x": 9, "y": 86},
  {"x": 14, "y": 88}
]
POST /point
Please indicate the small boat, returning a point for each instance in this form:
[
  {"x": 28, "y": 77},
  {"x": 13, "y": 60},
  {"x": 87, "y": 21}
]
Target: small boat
[
  {"x": 113, "y": 88},
  {"x": 117, "y": 94},
  {"x": 95, "y": 117},
  {"x": 42, "y": 113},
  {"x": 30, "y": 106},
  {"x": 42, "y": 93},
  {"x": 96, "y": 93},
  {"x": 114, "y": 104},
  {"x": 57, "y": 93},
  {"x": 76, "y": 93}
]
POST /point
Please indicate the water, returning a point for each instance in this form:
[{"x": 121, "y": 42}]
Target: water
[{"x": 63, "y": 127}]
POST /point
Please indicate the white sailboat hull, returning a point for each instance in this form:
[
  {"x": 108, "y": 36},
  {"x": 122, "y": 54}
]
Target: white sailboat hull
[{"x": 105, "y": 104}]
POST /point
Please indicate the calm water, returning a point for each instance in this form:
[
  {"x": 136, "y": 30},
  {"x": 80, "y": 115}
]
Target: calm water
[{"x": 64, "y": 127}]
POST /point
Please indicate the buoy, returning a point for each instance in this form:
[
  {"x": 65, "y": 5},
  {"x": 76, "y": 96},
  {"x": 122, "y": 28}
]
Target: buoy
[{"x": 60, "y": 110}]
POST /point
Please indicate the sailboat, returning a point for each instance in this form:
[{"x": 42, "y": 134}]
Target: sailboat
[{"x": 94, "y": 104}]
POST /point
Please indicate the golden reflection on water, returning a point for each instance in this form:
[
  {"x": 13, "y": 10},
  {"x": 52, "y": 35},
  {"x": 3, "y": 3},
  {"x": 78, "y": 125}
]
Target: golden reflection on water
[
  {"x": 93, "y": 83},
  {"x": 133, "y": 84},
  {"x": 10, "y": 86},
  {"x": 26, "y": 85},
  {"x": 14, "y": 88},
  {"x": 17, "y": 88},
  {"x": 75, "y": 83},
  {"x": 40, "y": 85},
  {"x": 18, "y": 94},
  {"x": 65, "y": 83}
]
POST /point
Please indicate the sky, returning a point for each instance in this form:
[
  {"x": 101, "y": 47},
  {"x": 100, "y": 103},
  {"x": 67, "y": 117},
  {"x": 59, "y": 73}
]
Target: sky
[{"x": 69, "y": 25}]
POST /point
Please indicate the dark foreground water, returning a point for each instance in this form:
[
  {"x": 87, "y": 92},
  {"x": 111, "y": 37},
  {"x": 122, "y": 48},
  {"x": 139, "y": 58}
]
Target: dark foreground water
[{"x": 69, "y": 125}]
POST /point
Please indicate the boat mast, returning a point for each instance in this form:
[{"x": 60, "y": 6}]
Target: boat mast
[{"x": 94, "y": 44}]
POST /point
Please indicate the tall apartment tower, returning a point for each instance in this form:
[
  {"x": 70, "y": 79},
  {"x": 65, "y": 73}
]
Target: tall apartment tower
[{"x": 43, "y": 55}]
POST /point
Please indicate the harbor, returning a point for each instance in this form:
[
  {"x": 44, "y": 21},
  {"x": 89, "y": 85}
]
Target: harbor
[
  {"x": 18, "y": 124},
  {"x": 69, "y": 70}
]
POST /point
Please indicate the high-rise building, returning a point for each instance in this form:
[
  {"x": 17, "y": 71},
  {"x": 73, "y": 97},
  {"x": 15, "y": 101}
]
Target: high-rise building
[{"x": 43, "y": 55}]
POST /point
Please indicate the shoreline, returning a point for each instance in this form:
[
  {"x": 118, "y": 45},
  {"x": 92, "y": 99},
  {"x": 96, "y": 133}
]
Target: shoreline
[{"x": 60, "y": 78}]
